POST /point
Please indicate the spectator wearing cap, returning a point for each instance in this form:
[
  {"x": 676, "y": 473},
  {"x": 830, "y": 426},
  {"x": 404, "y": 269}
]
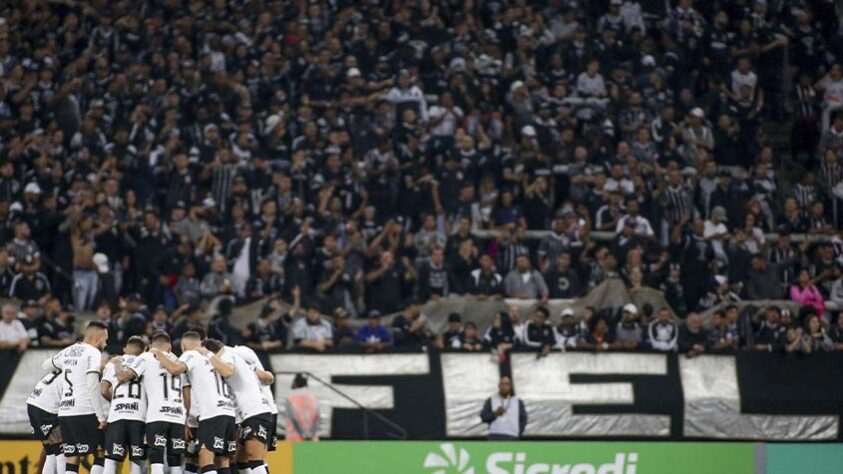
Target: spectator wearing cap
[
  {"x": 12, "y": 332},
  {"x": 30, "y": 283},
  {"x": 409, "y": 327},
  {"x": 697, "y": 138},
  {"x": 772, "y": 334},
  {"x": 538, "y": 332},
  {"x": 32, "y": 319},
  {"x": 628, "y": 331},
  {"x": 765, "y": 279},
  {"x": 188, "y": 318},
  {"x": 269, "y": 331},
  {"x": 312, "y": 332},
  {"x": 663, "y": 332},
  {"x": 454, "y": 330},
  {"x": 106, "y": 286},
  {"x": 524, "y": 282},
  {"x": 568, "y": 332},
  {"x": 373, "y": 336}
]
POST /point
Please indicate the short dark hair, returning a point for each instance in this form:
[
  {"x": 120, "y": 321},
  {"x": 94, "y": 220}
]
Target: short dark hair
[
  {"x": 213, "y": 345},
  {"x": 138, "y": 342},
  {"x": 543, "y": 311},
  {"x": 161, "y": 336},
  {"x": 299, "y": 380},
  {"x": 96, "y": 325},
  {"x": 191, "y": 335}
]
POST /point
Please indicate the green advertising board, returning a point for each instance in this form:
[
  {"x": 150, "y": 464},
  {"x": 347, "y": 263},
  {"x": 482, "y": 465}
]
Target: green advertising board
[
  {"x": 804, "y": 458},
  {"x": 477, "y": 457}
]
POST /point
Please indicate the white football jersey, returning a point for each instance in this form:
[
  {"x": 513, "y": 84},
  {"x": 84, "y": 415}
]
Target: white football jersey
[
  {"x": 193, "y": 413},
  {"x": 128, "y": 400},
  {"x": 47, "y": 393},
  {"x": 163, "y": 391},
  {"x": 76, "y": 362},
  {"x": 247, "y": 354},
  {"x": 246, "y": 387},
  {"x": 207, "y": 388}
]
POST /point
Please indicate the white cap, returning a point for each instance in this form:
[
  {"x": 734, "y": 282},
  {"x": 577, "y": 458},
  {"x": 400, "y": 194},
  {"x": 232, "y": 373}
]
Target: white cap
[
  {"x": 698, "y": 112},
  {"x": 567, "y": 312},
  {"x": 648, "y": 60},
  {"x": 353, "y": 72},
  {"x": 209, "y": 202},
  {"x": 516, "y": 85},
  {"x": 629, "y": 307},
  {"x": 271, "y": 122},
  {"x": 528, "y": 131},
  {"x": 101, "y": 262},
  {"x": 720, "y": 279},
  {"x": 33, "y": 188}
]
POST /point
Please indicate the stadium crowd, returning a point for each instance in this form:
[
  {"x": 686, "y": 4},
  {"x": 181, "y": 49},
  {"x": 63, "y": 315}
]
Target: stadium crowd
[{"x": 349, "y": 157}]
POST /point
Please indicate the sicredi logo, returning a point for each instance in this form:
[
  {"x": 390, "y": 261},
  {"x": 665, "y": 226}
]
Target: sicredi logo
[{"x": 452, "y": 461}]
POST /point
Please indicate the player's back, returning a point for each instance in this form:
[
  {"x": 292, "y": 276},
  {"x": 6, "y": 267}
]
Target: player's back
[
  {"x": 208, "y": 388},
  {"x": 76, "y": 362},
  {"x": 246, "y": 387},
  {"x": 47, "y": 393},
  {"x": 128, "y": 400},
  {"x": 251, "y": 358},
  {"x": 163, "y": 391}
]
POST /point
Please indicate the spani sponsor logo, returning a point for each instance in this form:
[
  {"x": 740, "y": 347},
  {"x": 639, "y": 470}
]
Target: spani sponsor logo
[{"x": 451, "y": 460}]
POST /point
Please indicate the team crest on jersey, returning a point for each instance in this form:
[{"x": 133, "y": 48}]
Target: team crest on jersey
[
  {"x": 246, "y": 432},
  {"x": 178, "y": 444},
  {"x": 219, "y": 443},
  {"x": 160, "y": 441},
  {"x": 262, "y": 432},
  {"x": 232, "y": 446},
  {"x": 118, "y": 450},
  {"x": 137, "y": 451}
]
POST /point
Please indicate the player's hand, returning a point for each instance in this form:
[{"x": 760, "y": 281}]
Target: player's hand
[
  {"x": 188, "y": 434},
  {"x": 103, "y": 424},
  {"x": 117, "y": 360}
]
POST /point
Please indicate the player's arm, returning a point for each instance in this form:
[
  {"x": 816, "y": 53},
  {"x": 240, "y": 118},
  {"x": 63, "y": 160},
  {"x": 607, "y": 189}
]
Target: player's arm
[
  {"x": 105, "y": 389},
  {"x": 123, "y": 374},
  {"x": 222, "y": 367},
  {"x": 174, "y": 367},
  {"x": 265, "y": 377},
  {"x": 52, "y": 364}
]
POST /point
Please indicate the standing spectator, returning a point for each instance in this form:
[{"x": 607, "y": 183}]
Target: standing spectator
[
  {"x": 505, "y": 413},
  {"x": 373, "y": 337},
  {"x": 84, "y": 272},
  {"x": 12, "y": 332},
  {"x": 388, "y": 285},
  {"x": 663, "y": 332},
  {"x": 485, "y": 282},
  {"x": 30, "y": 284},
  {"x": 312, "y": 332},
  {"x": 525, "y": 283},
  {"x": 693, "y": 337},
  {"x": 269, "y": 331},
  {"x": 433, "y": 277},
  {"x": 562, "y": 280},
  {"x": 301, "y": 412},
  {"x": 831, "y": 85}
]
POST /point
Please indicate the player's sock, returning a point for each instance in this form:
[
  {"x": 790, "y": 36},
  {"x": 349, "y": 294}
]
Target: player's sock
[
  {"x": 256, "y": 467},
  {"x": 110, "y": 466},
  {"x": 137, "y": 467},
  {"x": 50, "y": 461},
  {"x": 98, "y": 465},
  {"x": 242, "y": 468},
  {"x": 61, "y": 463},
  {"x": 156, "y": 468}
]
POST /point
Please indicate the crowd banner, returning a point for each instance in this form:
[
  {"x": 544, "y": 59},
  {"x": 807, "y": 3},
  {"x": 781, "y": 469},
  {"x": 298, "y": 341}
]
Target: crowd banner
[
  {"x": 437, "y": 395},
  {"x": 524, "y": 458}
]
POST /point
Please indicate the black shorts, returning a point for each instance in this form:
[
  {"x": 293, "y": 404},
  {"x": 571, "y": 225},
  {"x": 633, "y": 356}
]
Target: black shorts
[
  {"x": 125, "y": 437},
  {"x": 80, "y": 434},
  {"x": 273, "y": 438},
  {"x": 257, "y": 427},
  {"x": 218, "y": 434},
  {"x": 158, "y": 432},
  {"x": 43, "y": 422}
]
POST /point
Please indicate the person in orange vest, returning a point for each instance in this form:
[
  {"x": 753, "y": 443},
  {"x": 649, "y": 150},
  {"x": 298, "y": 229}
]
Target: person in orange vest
[{"x": 302, "y": 416}]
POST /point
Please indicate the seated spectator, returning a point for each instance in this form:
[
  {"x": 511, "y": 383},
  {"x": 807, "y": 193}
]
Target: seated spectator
[
  {"x": 834, "y": 302},
  {"x": 598, "y": 338},
  {"x": 805, "y": 292},
  {"x": 568, "y": 331},
  {"x": 816, "y": 336},
  {"x": 12, "y": 333},
  {"x": 312, "y": 332},
  {"x": 721, "y": 339},
  {"x": 796, "y": 343},
  {"x": 719, "y": 292},
  {"x": 562, "y": 281},
  {"x": 538, "y": 332},
  {"x": 693, "y": 337},
  {"x": 410, "y": 327},
  {"x": 218, "y": 280},
  {"x": 663, "y": 332},
  {"x": 628, "y": 332},
  {"x": 485, "y": 282},
  {"x": 772, "y": 335},
  {"x": 454, "y": 330},
  {"x": 500, "y": 336},
  {"x": 469, "y": 340},
  {"x": 836, "y": 332},
  {"x": 525, "y": 283},
  {"x": 58, "y": 330},
  {"x": 374, "y": 336},
  {"x": 343, "y": 332},
  {"x": 32, "y": 321},
  {"x": 269, "y": 331}
]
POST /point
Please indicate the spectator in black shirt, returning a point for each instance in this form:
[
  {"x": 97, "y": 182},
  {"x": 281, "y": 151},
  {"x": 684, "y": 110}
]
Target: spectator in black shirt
[
  {"x": 562, "y": 281},
  {"x": 410, "y": 327},
  {"x": 336, "y": 286},
  {"x": 269, "y": 331},
  {"x": 103, "y": 314},
  {"x": 460, "y": 268},
  {"x": 389, "y": 284},
  {"x": 538, "y": 333},
  {"x": 30, "y": 284},
  {"x": 454, "y": 330},
  {"x": 160, "y": 322},
  {"x": 433, "y": 277},
  {"x": 58, "y": 331},
  {"x": 500, "y": 337},
  {"x": 485, "y": 282},
  {"x": 32, "y": 321},
  {"x": 693, "y": 337},
  {"x": 220, "y": 326},
  {"x": 343, "y": 332},
  {"x": 772, "y": 335},
  {"x": 468, "y": 341},
  {"x": 598, "y": 338},
  {"x": 264, "y": 283}
]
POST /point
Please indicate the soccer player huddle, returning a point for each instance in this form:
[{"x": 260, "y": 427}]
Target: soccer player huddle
[{"x": 197, "y": 413}]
